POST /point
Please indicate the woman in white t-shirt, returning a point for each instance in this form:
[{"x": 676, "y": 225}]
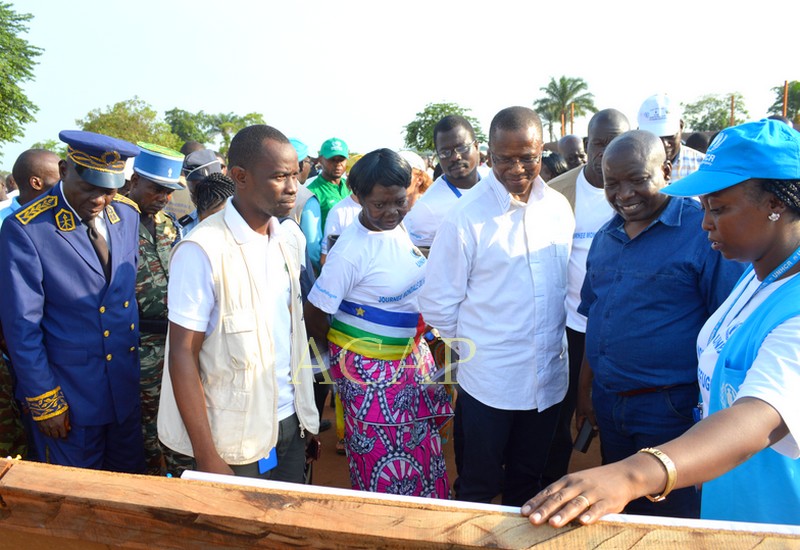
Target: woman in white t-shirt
[
  {"x": 370, "y": 283},
  {"x": 745, "y": 449}
]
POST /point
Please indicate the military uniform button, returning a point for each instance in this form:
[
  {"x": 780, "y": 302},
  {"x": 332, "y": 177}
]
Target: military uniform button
[
  {"x": 106, "y": 333},
  {"x": 108, "y": 357},
  {"x": 126, "y": 303},
  {"x": 133, "y": 348},
  {"x": 132, "y": 326},
  {"x": 102, "y": 309}
]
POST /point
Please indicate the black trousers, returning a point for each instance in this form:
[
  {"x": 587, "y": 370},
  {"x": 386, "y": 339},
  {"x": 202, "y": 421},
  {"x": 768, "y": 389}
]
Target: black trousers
[
  {"x": 502, "y": 451},
  {"x": 561, "y": 449}
]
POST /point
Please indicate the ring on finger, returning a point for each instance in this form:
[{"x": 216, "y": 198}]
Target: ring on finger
[{"x": 584, "y": 500}]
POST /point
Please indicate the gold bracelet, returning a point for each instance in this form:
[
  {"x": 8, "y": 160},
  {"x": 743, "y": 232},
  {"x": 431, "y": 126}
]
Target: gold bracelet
[{"x": 672, "y": 473}]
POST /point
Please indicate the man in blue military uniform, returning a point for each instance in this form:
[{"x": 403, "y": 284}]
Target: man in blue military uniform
[{"x": 69, "y": 310}]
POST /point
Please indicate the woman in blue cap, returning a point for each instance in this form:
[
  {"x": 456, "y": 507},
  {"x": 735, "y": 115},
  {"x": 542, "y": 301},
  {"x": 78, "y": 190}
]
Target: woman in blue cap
[{"x": 745, "y": 450}]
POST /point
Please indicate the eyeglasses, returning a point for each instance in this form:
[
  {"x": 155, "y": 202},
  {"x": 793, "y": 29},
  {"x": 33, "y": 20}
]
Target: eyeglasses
[
  {"x": 527, "y": 160},
  {"x": 461, "y": 150}
]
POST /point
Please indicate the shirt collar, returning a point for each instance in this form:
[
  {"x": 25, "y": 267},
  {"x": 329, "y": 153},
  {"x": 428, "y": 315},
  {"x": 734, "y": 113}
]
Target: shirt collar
[
  {"x": 101, "y": 215},
  {"x": 342, "y": 181},
  {"x": 671, "y": 215},
  {"x": 242, "y": 232},
  {"x": 504, "y": 197}
]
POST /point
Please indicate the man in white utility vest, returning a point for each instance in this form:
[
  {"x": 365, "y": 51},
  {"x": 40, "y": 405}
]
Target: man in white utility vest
[{"x": 235, "y": 396}]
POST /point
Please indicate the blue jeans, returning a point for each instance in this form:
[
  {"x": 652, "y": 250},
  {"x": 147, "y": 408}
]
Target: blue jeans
[{"x": 630, "y": 423}]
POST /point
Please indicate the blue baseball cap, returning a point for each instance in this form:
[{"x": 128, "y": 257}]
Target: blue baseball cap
[
  {"x": 768, "y": 149},
  {"x": 300, "y": 147},
  {"x": 160, "y": 165},
  {"x": 101, "y": 157}
]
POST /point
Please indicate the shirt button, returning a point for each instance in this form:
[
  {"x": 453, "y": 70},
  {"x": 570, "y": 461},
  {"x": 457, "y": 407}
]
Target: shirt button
[
  {"x": 108, "y": 357},
  {"x": 102, "y": 309},
  {"x": 106, "y": 333},
  {"x": 126, "y": 303}
]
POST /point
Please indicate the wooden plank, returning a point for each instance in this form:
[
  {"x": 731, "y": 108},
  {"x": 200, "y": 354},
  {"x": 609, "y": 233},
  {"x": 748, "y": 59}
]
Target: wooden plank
[
  {"x": 19, "y": 540},
  {"x": 42, "y": 504}
]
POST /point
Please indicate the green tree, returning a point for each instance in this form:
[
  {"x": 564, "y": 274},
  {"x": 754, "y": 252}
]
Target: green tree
[
  {"x": 792, "y": 104},
  {"x": 52, "y": 145},
  {"x": 712, "y": 113},
  {"x": 419, "y": 132},
  {"x": 559, "y": 95},
  {"x": 189, "y": 126},
  {"x": 225, "y": 126},
  {"x": 132, "y": 120},
  {"x": 16, "y": 66}
]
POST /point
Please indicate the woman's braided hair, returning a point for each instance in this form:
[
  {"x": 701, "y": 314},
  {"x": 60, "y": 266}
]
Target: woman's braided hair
[
  {"x": 212, "y": 191},
  {"x": 787, "y": 191}
]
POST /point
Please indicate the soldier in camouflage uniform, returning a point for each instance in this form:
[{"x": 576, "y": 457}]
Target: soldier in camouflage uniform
[
  {"x": 12, "y": 433},
  {"x": 156, "y": 173}
]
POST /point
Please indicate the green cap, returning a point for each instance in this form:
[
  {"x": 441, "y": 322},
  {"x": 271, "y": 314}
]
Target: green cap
[{"x": 334, "y": 147}]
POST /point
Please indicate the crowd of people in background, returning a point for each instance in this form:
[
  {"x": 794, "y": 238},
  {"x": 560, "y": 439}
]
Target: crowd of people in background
[{"x": 169, "y": 310}]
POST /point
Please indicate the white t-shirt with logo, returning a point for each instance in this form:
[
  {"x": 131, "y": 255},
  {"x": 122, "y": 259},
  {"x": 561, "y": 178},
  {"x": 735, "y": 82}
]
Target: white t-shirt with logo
[
  {"x": 429, "y": 211},
  {"x": 339, "y": 218},
  {"x": 592, "y": 211},
  {"x": 382, "y": 269},
  {"x": 774, "y": 376}
]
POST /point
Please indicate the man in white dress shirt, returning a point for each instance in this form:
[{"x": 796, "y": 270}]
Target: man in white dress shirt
[{"x": 496, "y": 278}]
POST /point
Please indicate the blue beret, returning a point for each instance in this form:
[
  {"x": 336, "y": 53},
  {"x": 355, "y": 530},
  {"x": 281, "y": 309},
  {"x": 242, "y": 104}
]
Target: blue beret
[
  {"x": 102, "y": 157},
  {"x": 160, "y": 165},
  {"x": 201, "y": 163}
]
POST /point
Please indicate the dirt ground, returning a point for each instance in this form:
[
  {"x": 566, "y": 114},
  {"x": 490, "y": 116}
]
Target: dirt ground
[{"x": 331, "y": 470}]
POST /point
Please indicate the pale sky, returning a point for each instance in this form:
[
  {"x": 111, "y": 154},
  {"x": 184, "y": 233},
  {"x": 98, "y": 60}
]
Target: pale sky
[{"x": 361, "y": 70}]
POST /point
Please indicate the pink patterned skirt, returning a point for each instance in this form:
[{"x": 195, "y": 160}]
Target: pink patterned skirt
[{"x": 392, "y": 421}]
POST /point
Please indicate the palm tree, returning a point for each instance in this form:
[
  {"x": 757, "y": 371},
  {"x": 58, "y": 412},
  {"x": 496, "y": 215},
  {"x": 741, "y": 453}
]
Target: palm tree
[
  {"x": 550, "y": 115},
  {"x": 559, "y": 95},
  {"x": 793, "y": 103},
  {"x": 225, "y": 125}
]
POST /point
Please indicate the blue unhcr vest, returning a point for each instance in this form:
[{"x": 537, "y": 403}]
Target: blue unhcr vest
[{"x": 766, "y": 488}]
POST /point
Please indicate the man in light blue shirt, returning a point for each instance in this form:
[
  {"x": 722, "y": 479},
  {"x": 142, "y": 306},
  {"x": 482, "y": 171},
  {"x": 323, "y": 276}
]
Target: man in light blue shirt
[{"x": 35, "y": 171}]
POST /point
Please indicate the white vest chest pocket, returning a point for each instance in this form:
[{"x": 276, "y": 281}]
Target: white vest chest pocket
[{"x": 239, "y": 332}]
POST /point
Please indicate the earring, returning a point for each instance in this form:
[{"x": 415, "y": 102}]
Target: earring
[{"x": 774, "y": 217}]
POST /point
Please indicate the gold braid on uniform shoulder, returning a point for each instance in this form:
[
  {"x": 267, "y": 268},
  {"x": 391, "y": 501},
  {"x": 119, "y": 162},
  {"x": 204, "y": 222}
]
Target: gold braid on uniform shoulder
[
  {"x": 47, "y": 405},
  {"x": 42, "y": 205},
  {"x": 125, "y": 200}
]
